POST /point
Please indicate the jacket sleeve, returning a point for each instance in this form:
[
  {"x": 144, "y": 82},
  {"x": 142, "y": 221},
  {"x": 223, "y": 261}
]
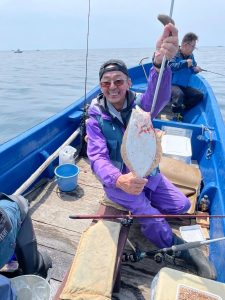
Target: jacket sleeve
[
  {"x": 98, "y": 155},
  {"x": 164, "y": 93},
  {"x": 194, "y": 65},
  {"x": 177, "y": 65}
]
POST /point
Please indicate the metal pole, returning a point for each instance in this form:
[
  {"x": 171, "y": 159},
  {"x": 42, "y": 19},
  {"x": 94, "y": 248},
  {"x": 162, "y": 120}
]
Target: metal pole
[{"x": 44, "y": 166}]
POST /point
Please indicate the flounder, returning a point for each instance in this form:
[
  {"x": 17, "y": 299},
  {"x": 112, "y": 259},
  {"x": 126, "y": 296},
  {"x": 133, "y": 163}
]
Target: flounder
[{"x": 141, "y": 146}]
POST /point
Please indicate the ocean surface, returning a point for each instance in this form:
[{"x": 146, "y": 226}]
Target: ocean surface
[{"x": 35, "y": 85}]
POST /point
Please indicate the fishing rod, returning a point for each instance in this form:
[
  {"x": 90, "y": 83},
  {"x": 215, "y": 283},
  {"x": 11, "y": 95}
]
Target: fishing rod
[
  {"x": 204, "y": 70},
  {"x": 190, "y": 245},
  {"x": 159, "y": 255},
  {"x": 162, "y": 64},
  {"x": 130, "y": 216}
]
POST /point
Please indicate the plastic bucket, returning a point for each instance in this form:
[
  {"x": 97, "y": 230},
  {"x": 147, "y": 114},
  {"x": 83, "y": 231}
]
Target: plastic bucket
[
  {"x": 66, "y": 176},
  {"x": 31, "y": 287}
]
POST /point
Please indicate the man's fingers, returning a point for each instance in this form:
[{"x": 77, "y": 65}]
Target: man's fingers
[{"x": 169, "y": 30}]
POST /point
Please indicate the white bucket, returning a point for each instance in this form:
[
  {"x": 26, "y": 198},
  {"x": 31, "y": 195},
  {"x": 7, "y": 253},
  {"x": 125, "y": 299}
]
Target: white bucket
[
  {"x": 67, "y": 155},
  {"x": 31, "y": 287}
]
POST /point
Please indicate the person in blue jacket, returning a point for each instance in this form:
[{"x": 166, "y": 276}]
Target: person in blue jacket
[
  {"x": 183, "y": 65},
  {"x": 17, "y": 236}
]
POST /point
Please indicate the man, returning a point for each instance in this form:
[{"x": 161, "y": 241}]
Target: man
[
  {"x": 109, "y": 115},
  {"x": 17, "y": 235},
  {"x": 183, "y": 65}
]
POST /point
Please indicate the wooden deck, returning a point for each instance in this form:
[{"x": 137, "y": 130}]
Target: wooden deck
[
  {"x": 56, "y": 233},
  {"x": 59, "y": 236}
]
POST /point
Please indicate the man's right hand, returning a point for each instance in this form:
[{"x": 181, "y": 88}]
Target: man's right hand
[
  {"x": 190, "y": 62},
  {"x": 131, "y": 184}
]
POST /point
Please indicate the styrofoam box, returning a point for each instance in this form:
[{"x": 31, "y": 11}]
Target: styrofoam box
[
  {"x": 193, "y": 293},
  {"x": 192, "y": 233},
  {"x": 166, "y": 283},
  {"x": 178, "y": 147}
]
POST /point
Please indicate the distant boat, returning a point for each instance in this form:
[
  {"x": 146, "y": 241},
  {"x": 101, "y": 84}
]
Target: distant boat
[{"x": 18, "y": 51}]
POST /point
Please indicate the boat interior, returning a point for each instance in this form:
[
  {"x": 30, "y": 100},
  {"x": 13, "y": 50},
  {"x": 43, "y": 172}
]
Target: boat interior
[
  {"x": 59, "y": 235},
  {"x": 50, "y": 208}
]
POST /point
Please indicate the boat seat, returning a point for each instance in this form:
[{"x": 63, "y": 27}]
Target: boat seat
[
  {"x": 186, "y": 177},
  {"x": 91, "y": 273},
  {"x": 91, "y": 258}
]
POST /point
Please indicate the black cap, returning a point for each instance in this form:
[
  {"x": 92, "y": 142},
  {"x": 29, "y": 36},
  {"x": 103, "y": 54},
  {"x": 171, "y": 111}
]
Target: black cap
[{"x": 113, "y": 65}]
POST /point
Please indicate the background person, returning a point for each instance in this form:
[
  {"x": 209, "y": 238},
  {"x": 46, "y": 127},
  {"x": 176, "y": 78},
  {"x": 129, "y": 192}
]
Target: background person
[{"x": 183, "y": 65}]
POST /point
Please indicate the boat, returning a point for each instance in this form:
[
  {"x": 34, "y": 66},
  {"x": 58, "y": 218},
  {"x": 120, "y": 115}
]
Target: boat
[
  {"x": 18, "y": 51},
  {"x": 27, "y": 167}
]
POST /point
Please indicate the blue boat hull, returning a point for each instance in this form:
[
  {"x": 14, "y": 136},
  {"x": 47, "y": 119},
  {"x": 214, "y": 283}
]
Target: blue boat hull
[{"x": 21, "y": 156}]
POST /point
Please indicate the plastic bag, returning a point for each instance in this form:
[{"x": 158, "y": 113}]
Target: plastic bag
[{"x": 31, "y": 287}]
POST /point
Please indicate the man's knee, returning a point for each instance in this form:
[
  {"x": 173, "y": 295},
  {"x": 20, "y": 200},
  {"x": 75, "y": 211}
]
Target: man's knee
[{"x": 185, "y": 205}]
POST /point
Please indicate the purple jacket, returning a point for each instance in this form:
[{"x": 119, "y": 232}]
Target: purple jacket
[{"x": 97, "y": 150}]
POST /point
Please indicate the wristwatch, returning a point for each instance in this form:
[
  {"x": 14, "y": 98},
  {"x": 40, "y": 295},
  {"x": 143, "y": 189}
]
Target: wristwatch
[{"x": 158, "y": 66}]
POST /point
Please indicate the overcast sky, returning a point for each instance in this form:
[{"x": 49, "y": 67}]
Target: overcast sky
[{"x": 62, "y": 24}]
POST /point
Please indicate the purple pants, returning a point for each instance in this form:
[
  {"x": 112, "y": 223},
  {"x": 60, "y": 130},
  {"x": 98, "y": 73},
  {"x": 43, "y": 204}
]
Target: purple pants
[{"x": 159, "y": 196}]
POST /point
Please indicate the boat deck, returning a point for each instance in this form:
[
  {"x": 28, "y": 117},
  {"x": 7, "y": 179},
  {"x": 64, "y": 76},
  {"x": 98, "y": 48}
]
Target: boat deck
[{"x": 59, "y": 235}]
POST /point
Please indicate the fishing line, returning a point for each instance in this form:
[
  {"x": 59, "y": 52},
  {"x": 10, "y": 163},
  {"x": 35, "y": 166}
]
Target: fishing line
[
  {"x": 83, "y": 145},
  {"x": 204, "y": 70},
  {"x": 87, "y": 52},
  {"x": 161, "y": 69}
]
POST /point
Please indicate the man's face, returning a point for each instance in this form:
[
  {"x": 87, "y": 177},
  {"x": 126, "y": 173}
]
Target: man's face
[
  {"x": 114, "y": 85},
  {"x": 188, "y": 47}
]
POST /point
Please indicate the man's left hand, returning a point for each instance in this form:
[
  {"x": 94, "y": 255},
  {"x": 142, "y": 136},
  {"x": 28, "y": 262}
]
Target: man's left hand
[
  {"x": 167, "y": 44},
  {"x": 197, "y": 69}
]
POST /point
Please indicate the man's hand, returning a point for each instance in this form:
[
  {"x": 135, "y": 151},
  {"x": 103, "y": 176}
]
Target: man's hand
[
  {"x": 131, "y": 184},
  {"x": 168, "y": 44},
  {"x": 189, "y": 62},
  {"x": 197, "y": 69}
]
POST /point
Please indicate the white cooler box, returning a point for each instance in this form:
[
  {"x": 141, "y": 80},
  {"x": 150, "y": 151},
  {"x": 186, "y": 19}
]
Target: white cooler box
[
  {"x": 176, "y": 143},
  {"x": 171, "y": 284}
]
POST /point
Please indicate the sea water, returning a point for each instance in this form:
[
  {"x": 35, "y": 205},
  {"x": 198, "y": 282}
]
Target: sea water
[{"x": 34, "y": 85}]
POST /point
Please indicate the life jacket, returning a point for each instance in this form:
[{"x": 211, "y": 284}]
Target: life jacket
[
  {"x": 113, "y": 129},
  {"x": 181, "y": 76}
]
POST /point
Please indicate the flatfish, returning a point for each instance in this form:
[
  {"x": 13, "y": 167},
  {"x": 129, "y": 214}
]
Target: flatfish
[{"x": 141, "y": 146}]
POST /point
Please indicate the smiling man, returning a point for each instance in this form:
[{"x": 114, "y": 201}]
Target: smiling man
[
  {"x": 109, "y": 115},
  {"x": 183, "y": 65}
]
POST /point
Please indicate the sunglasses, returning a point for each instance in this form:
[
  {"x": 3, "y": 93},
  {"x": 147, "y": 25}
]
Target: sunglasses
[
  {"x": 106, "y": 84},
  {"x": 192, "y": 46}
]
